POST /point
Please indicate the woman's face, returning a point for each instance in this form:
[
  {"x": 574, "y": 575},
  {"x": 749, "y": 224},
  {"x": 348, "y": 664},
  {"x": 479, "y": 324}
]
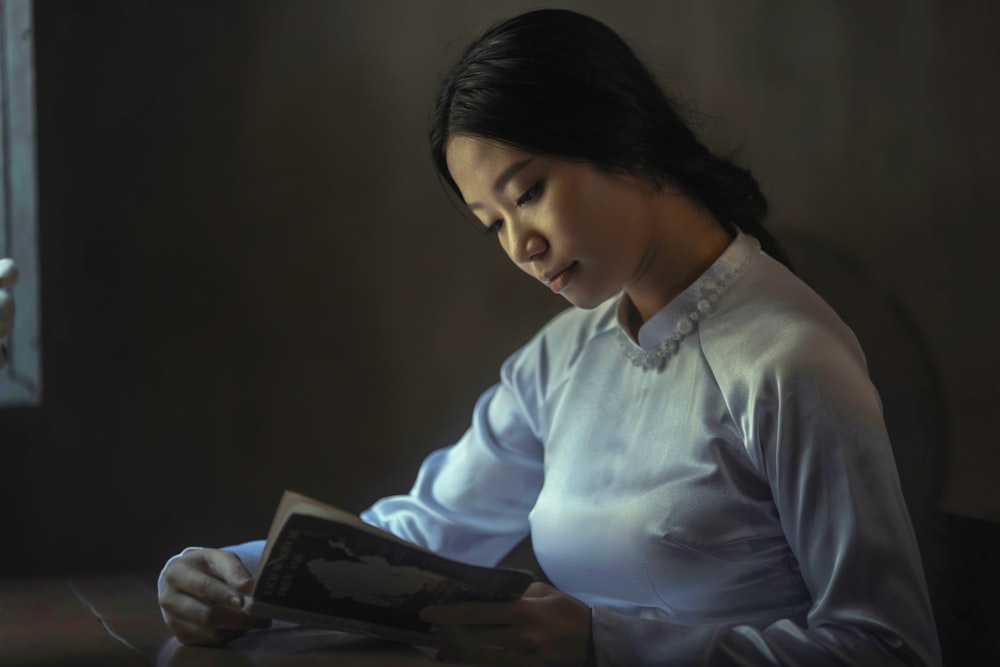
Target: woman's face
[{"x": 583, "y": 233}]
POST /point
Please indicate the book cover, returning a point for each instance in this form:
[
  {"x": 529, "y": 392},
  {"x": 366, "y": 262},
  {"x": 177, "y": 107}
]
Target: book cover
[{"x": 324, "y": 566}]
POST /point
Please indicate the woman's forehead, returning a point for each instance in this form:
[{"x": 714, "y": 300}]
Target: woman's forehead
[
  {"x": 473, "y": 149},
  {"x": 477, "y": 163}
]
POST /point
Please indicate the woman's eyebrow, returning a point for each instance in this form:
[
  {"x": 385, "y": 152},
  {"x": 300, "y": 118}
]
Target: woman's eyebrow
[{"x": 503, "y": 179}]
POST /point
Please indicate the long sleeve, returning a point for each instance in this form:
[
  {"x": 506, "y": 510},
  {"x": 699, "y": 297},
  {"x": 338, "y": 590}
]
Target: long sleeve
[
  {"x": 812, "y": 426},
  {"x": 471, "y": 501}
]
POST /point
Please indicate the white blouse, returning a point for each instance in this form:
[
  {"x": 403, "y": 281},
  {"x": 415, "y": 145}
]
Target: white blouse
[{"x": 720, "y": 491}]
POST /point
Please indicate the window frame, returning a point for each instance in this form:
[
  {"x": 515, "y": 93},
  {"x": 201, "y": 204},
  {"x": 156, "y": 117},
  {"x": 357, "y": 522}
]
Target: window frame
[{"x": 21, "y": 379}]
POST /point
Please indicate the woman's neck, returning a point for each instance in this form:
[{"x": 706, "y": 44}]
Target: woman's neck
[{"x": 690, "y": 240}]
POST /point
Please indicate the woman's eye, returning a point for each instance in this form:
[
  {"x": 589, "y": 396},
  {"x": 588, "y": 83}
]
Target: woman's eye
[
  {"x": 494, "y": 228},
  {"x": 531, "y": 195}
]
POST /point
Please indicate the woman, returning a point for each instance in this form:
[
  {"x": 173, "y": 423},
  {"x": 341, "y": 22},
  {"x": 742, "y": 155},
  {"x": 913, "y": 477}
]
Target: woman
[{"x": 696, "y": 449}]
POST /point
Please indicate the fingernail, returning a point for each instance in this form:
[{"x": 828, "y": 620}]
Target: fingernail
[{"x": 236, "y": 602}]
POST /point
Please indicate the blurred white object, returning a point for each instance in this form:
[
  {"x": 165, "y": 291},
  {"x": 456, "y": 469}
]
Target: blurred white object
[
  {"x": 8, "y": 273},
  {"x": 8, "y": 278}
]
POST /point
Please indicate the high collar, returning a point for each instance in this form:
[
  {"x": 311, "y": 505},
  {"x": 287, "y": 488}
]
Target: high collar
[{"x": 696, "y": 301}]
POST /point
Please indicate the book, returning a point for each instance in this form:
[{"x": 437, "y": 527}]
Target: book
[{"x": 325, "y": 566}]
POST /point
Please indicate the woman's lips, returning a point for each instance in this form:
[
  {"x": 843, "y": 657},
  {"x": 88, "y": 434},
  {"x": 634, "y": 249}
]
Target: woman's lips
[{"x": 559, "y": 281}]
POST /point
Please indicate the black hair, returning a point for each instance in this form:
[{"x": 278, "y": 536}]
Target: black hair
[{"x": 556, "y": 82}]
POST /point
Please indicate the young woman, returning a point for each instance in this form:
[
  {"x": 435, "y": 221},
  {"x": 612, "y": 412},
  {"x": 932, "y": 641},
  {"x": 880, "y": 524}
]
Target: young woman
[{"x": 695, "y": 449}]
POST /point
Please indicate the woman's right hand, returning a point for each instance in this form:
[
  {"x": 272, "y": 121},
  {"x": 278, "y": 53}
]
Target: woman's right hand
[{"x": 202, "y": 597}]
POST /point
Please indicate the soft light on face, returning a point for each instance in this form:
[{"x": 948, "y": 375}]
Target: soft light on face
[{"x": 585, "y": 234}]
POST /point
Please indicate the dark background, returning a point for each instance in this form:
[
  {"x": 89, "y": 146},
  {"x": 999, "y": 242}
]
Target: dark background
[{"x": 252, "y": 279}]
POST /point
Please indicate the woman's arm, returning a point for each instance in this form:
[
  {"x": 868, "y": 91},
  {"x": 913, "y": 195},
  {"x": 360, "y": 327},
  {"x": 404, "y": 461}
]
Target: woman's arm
[
  {"x": 471, "y": 501},
  {"x": 813, "y": 428}
]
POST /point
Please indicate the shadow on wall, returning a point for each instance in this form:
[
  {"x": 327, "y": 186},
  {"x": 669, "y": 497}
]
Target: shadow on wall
[{"x": 958, "y": 552}]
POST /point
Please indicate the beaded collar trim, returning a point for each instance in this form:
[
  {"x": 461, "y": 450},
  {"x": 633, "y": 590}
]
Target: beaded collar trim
[{"x": 695, "y": 303}]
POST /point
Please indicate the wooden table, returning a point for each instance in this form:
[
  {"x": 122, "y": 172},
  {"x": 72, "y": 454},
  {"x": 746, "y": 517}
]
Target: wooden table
[{"x": 114, "y": 621}]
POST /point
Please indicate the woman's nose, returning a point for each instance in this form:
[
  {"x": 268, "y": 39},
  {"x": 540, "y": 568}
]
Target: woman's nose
[{"x": 526, "y": 245}]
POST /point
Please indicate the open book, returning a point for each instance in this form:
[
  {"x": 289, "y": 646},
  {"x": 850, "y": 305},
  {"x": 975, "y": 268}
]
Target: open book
[{"x": 324, "y": 566}]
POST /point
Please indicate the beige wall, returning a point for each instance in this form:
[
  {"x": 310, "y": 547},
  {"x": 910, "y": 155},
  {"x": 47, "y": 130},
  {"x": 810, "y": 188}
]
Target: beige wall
[{"x": 252, "y": 279}]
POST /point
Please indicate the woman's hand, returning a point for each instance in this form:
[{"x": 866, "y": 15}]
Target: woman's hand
[
  {"x": 543, "y": 627},
  {"x": 202, "y": 597}
]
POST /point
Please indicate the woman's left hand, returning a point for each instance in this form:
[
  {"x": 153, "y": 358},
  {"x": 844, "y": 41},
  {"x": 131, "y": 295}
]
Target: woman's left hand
[{"x": 543, "y": 627}]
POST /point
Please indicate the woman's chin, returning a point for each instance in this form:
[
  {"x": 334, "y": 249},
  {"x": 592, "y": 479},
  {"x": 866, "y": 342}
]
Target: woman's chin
[{"x": 585, "y": 301}]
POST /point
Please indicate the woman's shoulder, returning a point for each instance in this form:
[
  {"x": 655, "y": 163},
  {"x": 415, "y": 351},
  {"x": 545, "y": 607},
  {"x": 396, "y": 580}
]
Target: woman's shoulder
[
  {"x": 772, "y": 320},
  {"x": 775, "y": 343}
]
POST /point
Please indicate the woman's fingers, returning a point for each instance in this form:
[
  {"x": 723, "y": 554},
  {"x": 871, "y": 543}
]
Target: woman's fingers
[
  {"x": 211, "y": 576},
  {"x": 229, "y": 568},
  {"x": 194, "y": 622},
  {"x": 202, "y": 597},
  {"x": 196, "y": 610}
]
